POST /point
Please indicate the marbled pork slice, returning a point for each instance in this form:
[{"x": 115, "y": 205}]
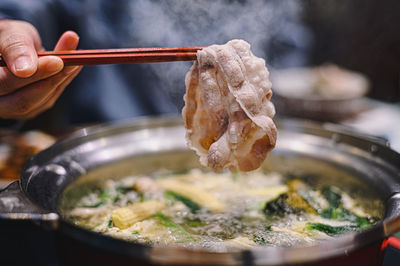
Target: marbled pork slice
[{"x": 228, "y": 113}]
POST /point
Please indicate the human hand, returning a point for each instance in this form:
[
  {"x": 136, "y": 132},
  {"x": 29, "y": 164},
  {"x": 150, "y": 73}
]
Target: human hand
[{"x": 30, "y": 85}]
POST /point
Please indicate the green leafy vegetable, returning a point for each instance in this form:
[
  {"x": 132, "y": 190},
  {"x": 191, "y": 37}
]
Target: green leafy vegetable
[
  {"x": 334, "y": 199},
  {"x": 279, "y": 206},
  {"x": 193, "y": 206},
  {"x": 336, "y": 212},
  {"x": 342, "y": 214},
  {"x": 95, "y": 205},
  {"x": 331, "y": 230},
  {"x": 166, "y": 221},
  {"x": 290, "y": 202}
]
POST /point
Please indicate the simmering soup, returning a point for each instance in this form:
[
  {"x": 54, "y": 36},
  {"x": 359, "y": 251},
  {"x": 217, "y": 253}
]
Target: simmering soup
[{"x": 219, "y": 211}]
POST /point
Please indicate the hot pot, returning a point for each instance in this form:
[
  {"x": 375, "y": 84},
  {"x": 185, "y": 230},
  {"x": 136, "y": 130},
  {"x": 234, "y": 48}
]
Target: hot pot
[{"x": 364, "y": 165}]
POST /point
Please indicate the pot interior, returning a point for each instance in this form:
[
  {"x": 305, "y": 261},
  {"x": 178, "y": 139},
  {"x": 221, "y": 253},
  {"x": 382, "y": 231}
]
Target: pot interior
[{"x": 314, "y": 171}]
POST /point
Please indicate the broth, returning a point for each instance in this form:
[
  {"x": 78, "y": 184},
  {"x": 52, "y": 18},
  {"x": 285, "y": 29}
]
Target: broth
[{"x": 220, "y": 212}]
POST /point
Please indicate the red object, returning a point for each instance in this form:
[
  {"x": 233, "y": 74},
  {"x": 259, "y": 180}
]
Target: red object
[
  {"x": 394, "y": 241},
  {"x": 390, "y": 252},
  {"x": 122, "y": 56}
]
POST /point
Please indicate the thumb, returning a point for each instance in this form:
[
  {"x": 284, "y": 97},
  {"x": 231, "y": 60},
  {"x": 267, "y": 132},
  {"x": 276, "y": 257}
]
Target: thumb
[{"x": 18, "y": 43}]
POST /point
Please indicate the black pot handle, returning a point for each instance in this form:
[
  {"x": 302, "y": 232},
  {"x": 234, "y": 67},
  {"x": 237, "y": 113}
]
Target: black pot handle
[{"x": 16, "y": 206}]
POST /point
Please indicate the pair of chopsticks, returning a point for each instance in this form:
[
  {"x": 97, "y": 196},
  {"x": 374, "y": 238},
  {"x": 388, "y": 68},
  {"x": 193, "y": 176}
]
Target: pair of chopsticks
[{"x": 122, "y": 56}]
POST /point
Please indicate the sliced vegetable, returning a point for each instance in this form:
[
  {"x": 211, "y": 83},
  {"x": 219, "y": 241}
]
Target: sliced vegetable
[
  {"x": 194, "y": 193},
  {"x": 193, "y": 206},
  {"x": 126, "y": 216}
]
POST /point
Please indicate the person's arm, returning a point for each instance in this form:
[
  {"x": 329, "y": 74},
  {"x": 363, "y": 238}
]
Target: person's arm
[{"x": 30, "y": 85}]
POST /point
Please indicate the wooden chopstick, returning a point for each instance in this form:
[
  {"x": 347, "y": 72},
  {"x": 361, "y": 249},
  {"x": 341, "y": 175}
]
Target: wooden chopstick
[{"x": 122, "y": 56}]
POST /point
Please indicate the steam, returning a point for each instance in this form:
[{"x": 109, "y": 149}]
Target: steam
[{"x": 264, "y": 24}]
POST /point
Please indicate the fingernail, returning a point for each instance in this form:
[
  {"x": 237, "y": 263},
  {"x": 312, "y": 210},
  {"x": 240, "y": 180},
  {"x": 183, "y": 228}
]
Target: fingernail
[{"x": 22, "y": 63}]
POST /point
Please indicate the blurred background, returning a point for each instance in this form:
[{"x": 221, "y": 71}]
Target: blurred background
[
  {"x": 356, "y": 35},
  {"x": 359, "y": 35}
]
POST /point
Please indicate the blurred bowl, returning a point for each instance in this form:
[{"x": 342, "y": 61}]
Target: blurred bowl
[{"x": 323, "y": 93}]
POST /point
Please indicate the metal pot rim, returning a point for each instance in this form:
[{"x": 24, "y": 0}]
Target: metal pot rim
[{"x": 263, "y": 255}]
